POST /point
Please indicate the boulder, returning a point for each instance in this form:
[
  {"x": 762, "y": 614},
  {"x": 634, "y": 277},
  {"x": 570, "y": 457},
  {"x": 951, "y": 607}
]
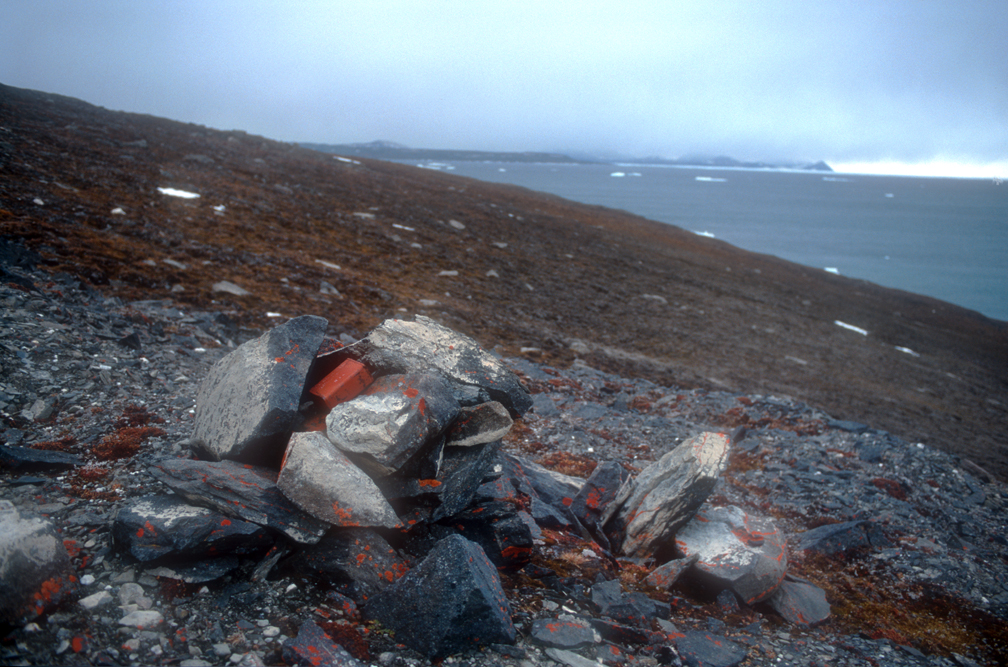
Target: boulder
[
  {"x": 312, "y": 647},
  {"x": 735, "y": 551},
  {"x": 165, "y": 527},
  {"x": 665, "y": 576},
  {"x": 479, "y": 424},
  {"x": 392, "y": 421},
  {"x": 841, "y": 537},
  {"x": 36, "y": 575},
  {"x": 451, "y": 602},
  {"x": 248, "y": 404},
  {"x": 357, "y": 561},
  {"x": 397, "y": 346},
  {"x": 242, "y": 491},
  {"x": 322, "y": 481},
  {"x": 650, "y": 509},
  {"x": 552, "y": 487},
  {"x": 499, "y": 529},
  {"x": 800, "y": 602}
]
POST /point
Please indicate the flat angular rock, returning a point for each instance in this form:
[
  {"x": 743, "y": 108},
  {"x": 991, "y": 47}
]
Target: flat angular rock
[
  {"x": 35, "y": 459},
  {"x": 569, "y": 658},
  {"x": 800, "y": 602},
  {"x": 239, "y": 490},
  {"x": 650, "y": 509},
  {"x": 397, "y": 346},
  {"x": 201, "y": 571},
  {"x": 393, "y": 420},
  {"x": 358, "y": 561},
  {"x": 166, "y": 527},
  {"x": 735, "y": 551},
  {"x": 598, "y": 492},
  {"x": 841, "y": 537},
  {"x": 704, "y": 649},
  {"x": 322, "y": 481},
  {"x": 451, "y": 602},
  {"x": 313, "y": 648},
  {"x": 629, "y": 608},
  {"x": 563, "y": 634},
  {"x": 665, "y": 576},
  {"x": 479, "y": 424},
  {"x": 552, "y": 487},
  {"x": 35, "y": 570},
  {"x": 248, "y": 403}
]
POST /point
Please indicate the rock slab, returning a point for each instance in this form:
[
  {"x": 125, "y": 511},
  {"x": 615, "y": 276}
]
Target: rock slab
[
  {"x": 313, "y": 648},
  {"x": 650, "y": 509},
  {"x": 323, "y": 482},
  {"x": 451, "y": 602},
  {"x": 735, "y": 551},
  {"x": 239, "y": 490},
  {"x": 247, "y": 405},
  {"x": 35, "y": 570},
  {"x": 800, "y": 602}
]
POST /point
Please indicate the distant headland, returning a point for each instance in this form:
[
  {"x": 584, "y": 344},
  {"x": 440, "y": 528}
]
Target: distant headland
[{"x": 387, "y": 150}]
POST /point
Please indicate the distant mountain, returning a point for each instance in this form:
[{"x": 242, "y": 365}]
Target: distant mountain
[{"x": 387, "y": 150}]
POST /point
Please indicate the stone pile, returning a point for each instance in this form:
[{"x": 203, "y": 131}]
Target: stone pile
[{"x": 375, "y": 468}]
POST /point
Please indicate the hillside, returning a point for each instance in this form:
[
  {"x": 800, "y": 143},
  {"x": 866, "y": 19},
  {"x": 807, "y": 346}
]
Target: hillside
[{"x": 532, "y": 274}]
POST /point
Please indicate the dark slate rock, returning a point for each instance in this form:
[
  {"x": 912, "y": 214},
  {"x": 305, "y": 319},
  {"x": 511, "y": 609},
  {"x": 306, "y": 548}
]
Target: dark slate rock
[
  {"x": 166, "y": 527},
  {"x": 665, "y": 576},
  {"x": 202, "y": 571},
  {"x": 650, "y": 509},
  {"x": 397, "y": 346},
  {"x": 35, "y": 459},
  {"x": 462, "y": 471},
  {"x": 479, "y": 424},
  {"x": 627, "y": 608},
  {"x": 313, "y": 648},
  {"x": 451, "y": 602},
  {"x": 392, "y": 421},
  {"x": 849, "y": 426},
  {"x": 499, "y": 529},
  {"x": 553, "y": 488},
  {"x": 598, "y": 492},
  {"x": 548, "y": 516},
  {"x": 36, "y": 575},
  {"x": 242, "y": 491},
  {"x": 736, "y": 551},
  {"x": 357, "y": 561},
  {"x": 322, "y": 481},
  {"x": 563, "y": 634},
  {"x": 841, "y": 537},
  {"x": 728, "y": 603},
  {"x": 703, "y": 649},
  {"x": 800, "y": 602},
  {"x": 248, "y": 404}
]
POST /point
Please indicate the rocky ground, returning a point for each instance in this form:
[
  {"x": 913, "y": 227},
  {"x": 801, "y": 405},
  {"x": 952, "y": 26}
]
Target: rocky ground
[
  {"x": 631, "y": 335},
  {"x": 114, "y": 382}
]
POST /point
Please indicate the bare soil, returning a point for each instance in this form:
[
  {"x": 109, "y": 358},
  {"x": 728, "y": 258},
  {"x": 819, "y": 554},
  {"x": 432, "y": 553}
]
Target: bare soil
[{"x": 625, "y": 294}]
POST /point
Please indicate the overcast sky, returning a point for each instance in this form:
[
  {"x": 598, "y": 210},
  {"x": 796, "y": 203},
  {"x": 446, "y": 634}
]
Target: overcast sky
[{"x": 849, "y": 82}]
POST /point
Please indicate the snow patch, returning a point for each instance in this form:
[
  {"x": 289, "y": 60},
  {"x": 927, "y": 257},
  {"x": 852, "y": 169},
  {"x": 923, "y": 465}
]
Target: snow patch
[
  {"x": 182, "y": 194},
  {"x": 850, "y": 327}
]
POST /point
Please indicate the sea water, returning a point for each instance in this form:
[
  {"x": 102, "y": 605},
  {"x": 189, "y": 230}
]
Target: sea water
[{"x": 942, "y": 237}]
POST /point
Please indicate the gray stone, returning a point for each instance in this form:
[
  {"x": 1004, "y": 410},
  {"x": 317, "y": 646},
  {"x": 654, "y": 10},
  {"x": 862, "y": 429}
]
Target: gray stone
[
  {"x": 735, "y": 551},
  {"x": 35, "y": 570},
  {"x": 553, "y": 488},
  {"x": 99, "y": 599},
  {"x": 629, "y": 608},
  {"x": 245, "y": 492},
  {"x": 479, "y": 425},
  {"x": 598, "y": 492},
  {"x": 397, "y": 346},
  {"x": 800, "y": 602},
  {"x": 395, "y": 418},
  {"x": 159, "y": 527},
  {"x": 31, "y": 459},
  {"x": 229, "y": 288},
  {"x": 665, "y": 576},
  {"x": 650, "y": 509},
  {"x": 841, "y": 537},
  {"x": 142, "y": 619},
  {"x": 247, "y": 405},
  {"x": 704, "y": 649},
  {"x": 450, "y": 602},
  {"x": 570, "y": 658},
  {"x": 322, "y": 481},
  {"x": 563, "y": 633}
]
